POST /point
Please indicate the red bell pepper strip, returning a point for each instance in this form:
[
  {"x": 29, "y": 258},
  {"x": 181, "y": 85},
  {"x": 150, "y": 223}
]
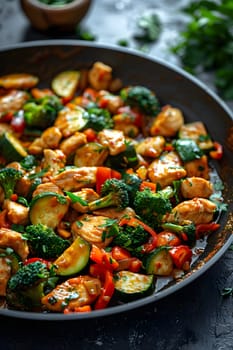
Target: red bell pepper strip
[
  {"x": 108, "y": 287},
  {"x": 147, "y": 184},
  {"x": 104, "y": 173},
  {"x": 217, "y": 153},
  {"x": 180, "y": 255},
  {"x": 101, "y": 257},
  {"x": 91, "y": 135},
  {"x": 202, "y": 229},
  {"x": 18, "y": 123},
  {"x": 119, "y": 253}
]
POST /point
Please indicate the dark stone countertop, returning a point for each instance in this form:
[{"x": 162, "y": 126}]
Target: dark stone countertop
[{"x": 194, "y": 318}]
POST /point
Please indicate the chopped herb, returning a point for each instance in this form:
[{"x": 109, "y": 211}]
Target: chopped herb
[
  {"x": 84, "y": 34},
  {"x": 207, "y": 41},
  {"x": 149, "y": 28},
  {"x": 76, "y": 199},
  {"x": 123, "y": 42},
  {"x": 227, "y": 291}
]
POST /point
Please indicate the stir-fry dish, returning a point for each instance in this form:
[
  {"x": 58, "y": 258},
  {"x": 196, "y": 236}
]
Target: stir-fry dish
[{"x": 103, "y": 191}]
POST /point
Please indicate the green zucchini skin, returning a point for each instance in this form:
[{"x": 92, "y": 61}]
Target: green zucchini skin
[
  {"x": 159, "y": 262},
  {"x": 74, "y": 259},
  {"x": 11, "y": 148},
  {"x": 48, "y": 208},
  {"x": 131, "y": 286}
]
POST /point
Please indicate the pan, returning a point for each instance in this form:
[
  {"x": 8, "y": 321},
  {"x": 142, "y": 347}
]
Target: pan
[{"x": 172, "y": 85}]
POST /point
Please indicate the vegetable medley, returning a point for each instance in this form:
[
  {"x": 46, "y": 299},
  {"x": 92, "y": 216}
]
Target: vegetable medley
[{"x": 103, "y": 191}]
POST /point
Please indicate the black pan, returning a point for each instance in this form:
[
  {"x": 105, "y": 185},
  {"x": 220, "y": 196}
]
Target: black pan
[{"x": 172, "y": 85}]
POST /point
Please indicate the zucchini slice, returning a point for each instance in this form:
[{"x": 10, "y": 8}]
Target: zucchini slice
[
  {"x": 131, "y": 285},
  {"x": 11, "y": 148},
  {"x": 74, "y": 258},
  {"x": 13, "y": 259},
  {"x": 159, "y": 262},
  {"x": 48, "y": 208},
  {"x": 65, "y": 83}
]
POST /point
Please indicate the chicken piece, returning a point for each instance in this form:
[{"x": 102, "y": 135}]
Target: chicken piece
[
  {"x": 90, "y": 154},
  {"x": 18, "y": 81},
  {"x": 12, "y": 101},
  {"x": 51, "y": 137},
  {"x": 16, "y": 212},
  {"x": 168, "y": 122},
  {"x": 196, "y": 131},
  {"x": 196, "y": 210},
  {"x": 5, "y": 274},
  {"x": 47, "y": 187},
  {"x": 91, "y": 228},
  {"x": 69, "y": 145},
  {"x": 114, "y": 140},
  {"x": 129, "y": 130},
  {"x": 198, "y": 168},
  {"x": 54, "y": 160},
  {"x": 70, "y": 120},
  {"x": 192, "y": 187},
  {"x": 23, "y": 186},
  {"x": 87, "y": 195},
  {"x": 37, "y": 146},
  {"x": 100, "y": 76},
  {"x": 12, "y": 239},
  {"x": 73, "y": 293},
  {"x": 151, "y": 146},
  {"x": 166, "y": 169},
  {"x": 114, "y": 213},
  {"x": 75, "y": 179},
  {"x": 111, "y": 102}
]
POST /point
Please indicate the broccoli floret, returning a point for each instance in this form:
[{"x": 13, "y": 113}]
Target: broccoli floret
[
  {"x": 186, "y": 232},
  {"x": 98, "y": 119},
  {"x": 142, "y": 98},
  {"x": 133, "y": 183},
  {"x": 130, "y": 238},
  {"x": 8, "y": 180},
  {"x": 44, "y": 243},
  {"x": 41, "y": 113},
  {"x": 151, "y": 206},
  {"x": 28, "y": 285},
  {"x": 113, "y": 193}
]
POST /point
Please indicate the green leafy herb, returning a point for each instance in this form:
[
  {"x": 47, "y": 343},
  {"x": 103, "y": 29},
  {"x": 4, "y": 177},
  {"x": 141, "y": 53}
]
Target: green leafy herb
[
  {"x": 227, "y": 291},
  {"x": 207, "y": 42},
  {"x": 84, "y": 34},
  {"x": 149, "y": 28}
]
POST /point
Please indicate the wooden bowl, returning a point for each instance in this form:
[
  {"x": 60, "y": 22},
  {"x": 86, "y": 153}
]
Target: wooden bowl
[{"x": 64, "y": 17}]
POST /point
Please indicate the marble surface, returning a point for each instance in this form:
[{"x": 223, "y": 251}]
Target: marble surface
[{"x": 194, "y": 318}]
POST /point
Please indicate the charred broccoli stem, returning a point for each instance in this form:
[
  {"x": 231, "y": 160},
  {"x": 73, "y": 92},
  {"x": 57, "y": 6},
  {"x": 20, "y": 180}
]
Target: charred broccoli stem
[
  {"x": 44, "y": 243},
  {"x": 142, "y": 98},
  {"x": 151, "y": 207},
  {"x": 30, "y": 283},
  {"x": 8, "y": 180},
  {"x": 113, "y": 193}
]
